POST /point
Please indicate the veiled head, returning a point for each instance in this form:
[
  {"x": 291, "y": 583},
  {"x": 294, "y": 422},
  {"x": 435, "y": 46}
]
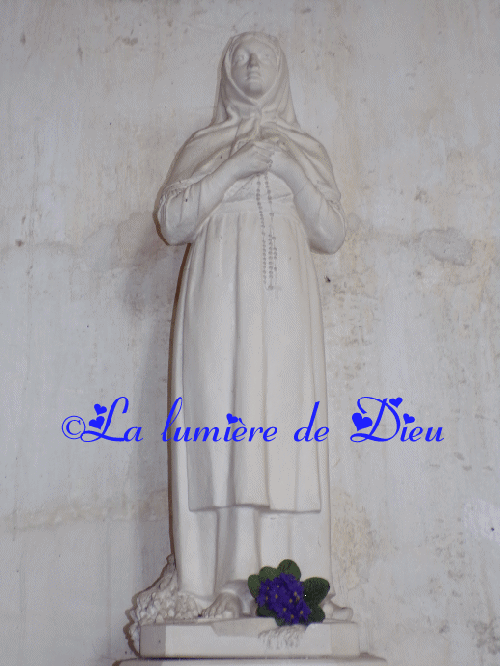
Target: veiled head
[
  {"x": 254, "y": 78},
  {"x": 254, "y": 65},
  {"x": 254, "y": 99}
]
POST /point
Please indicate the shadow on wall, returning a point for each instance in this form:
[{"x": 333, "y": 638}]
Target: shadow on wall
[
  {"x": 150, "y": 292},
  {"x": 149, "y": 287}
]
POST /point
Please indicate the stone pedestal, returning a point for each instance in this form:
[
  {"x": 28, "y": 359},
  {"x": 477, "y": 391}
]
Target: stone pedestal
[
  {"x": 361, "y": 660},
  {"x": 251, "y": 642},
  {"x": 249, "y": 637}
]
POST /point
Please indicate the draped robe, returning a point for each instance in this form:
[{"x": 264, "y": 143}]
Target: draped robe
[{"x": 248, "y": 341}]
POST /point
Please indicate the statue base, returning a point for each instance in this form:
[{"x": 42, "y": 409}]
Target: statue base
[
  {"x": 362, "y": 660},
  {"x": 242, "y": 639}
]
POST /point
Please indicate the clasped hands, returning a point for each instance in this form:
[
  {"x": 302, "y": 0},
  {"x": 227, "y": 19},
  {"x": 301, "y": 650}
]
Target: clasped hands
[{"x": 267, "y": 154}]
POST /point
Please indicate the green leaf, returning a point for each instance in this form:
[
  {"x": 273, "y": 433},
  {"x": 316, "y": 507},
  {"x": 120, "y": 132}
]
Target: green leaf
[
  {"x": 280, "y": 621},
  {"x": 254, "y": 585},
  {"x": 289, "y": 567},
  {"x": 315, "y": 590},
  {"x": 317, "y": 615},
  {"x": 263, "y": 611},
  {"x": 268, "y": 572}
]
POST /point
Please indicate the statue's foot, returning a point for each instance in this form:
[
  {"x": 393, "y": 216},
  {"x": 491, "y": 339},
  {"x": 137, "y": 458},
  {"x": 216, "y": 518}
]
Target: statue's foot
[
  {"x": 227, "y": 606},
  {"x": 334, "y": 612}
]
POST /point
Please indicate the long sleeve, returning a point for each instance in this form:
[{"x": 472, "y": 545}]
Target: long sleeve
[
  {"x": 323, "y": 217},
  {"x": 185, "y": 205}
]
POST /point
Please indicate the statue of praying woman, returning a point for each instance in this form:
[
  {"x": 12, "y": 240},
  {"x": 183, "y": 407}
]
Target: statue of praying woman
[{"x": 253, "y": 194}]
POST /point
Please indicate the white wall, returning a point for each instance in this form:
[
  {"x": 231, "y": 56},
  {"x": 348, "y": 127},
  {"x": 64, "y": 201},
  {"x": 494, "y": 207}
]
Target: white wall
[{"x": 97, "y": 98}]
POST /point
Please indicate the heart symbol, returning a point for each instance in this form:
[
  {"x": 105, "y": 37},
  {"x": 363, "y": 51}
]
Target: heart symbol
[
  {"x": 408, "y": 418},
  {"x": 99, "y": 410},
  {"x": 97, "y": 423},
  {"x": 396, "y": 401},
  {"x": 231, "y": 419},
  {"x": 361, "y": 422}
]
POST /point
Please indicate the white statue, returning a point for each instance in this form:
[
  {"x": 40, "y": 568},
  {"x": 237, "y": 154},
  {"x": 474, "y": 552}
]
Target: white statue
[{"x": 253, "y": 194}]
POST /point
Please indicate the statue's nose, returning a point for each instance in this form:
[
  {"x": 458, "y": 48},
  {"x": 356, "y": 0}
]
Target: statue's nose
[{"x": 253, "y": 60}]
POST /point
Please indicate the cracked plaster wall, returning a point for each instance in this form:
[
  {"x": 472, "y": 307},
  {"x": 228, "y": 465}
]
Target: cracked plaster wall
[{"x": 97, "y": 99}]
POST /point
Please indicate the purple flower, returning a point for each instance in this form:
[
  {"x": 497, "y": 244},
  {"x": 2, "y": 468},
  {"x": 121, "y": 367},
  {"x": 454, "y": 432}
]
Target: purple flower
[
  {"x": 264, "y": 593},
  {"x": 284, "y": 596},
  {"x": 303, "y": 610}
]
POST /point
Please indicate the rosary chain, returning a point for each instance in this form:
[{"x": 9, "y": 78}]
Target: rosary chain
[{"x": 269, "y": 248}]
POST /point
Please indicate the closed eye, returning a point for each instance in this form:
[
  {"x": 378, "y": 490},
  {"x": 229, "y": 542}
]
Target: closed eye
[{"x": 241, "y": 57}]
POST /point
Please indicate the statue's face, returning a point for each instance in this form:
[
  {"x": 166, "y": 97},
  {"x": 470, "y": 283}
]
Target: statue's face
[{"x": 254, "y": 67}]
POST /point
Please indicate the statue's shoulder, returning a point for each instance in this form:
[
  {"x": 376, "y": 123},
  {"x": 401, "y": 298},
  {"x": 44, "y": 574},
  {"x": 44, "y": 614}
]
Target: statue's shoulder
[{"x": 314, "y": 146}]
